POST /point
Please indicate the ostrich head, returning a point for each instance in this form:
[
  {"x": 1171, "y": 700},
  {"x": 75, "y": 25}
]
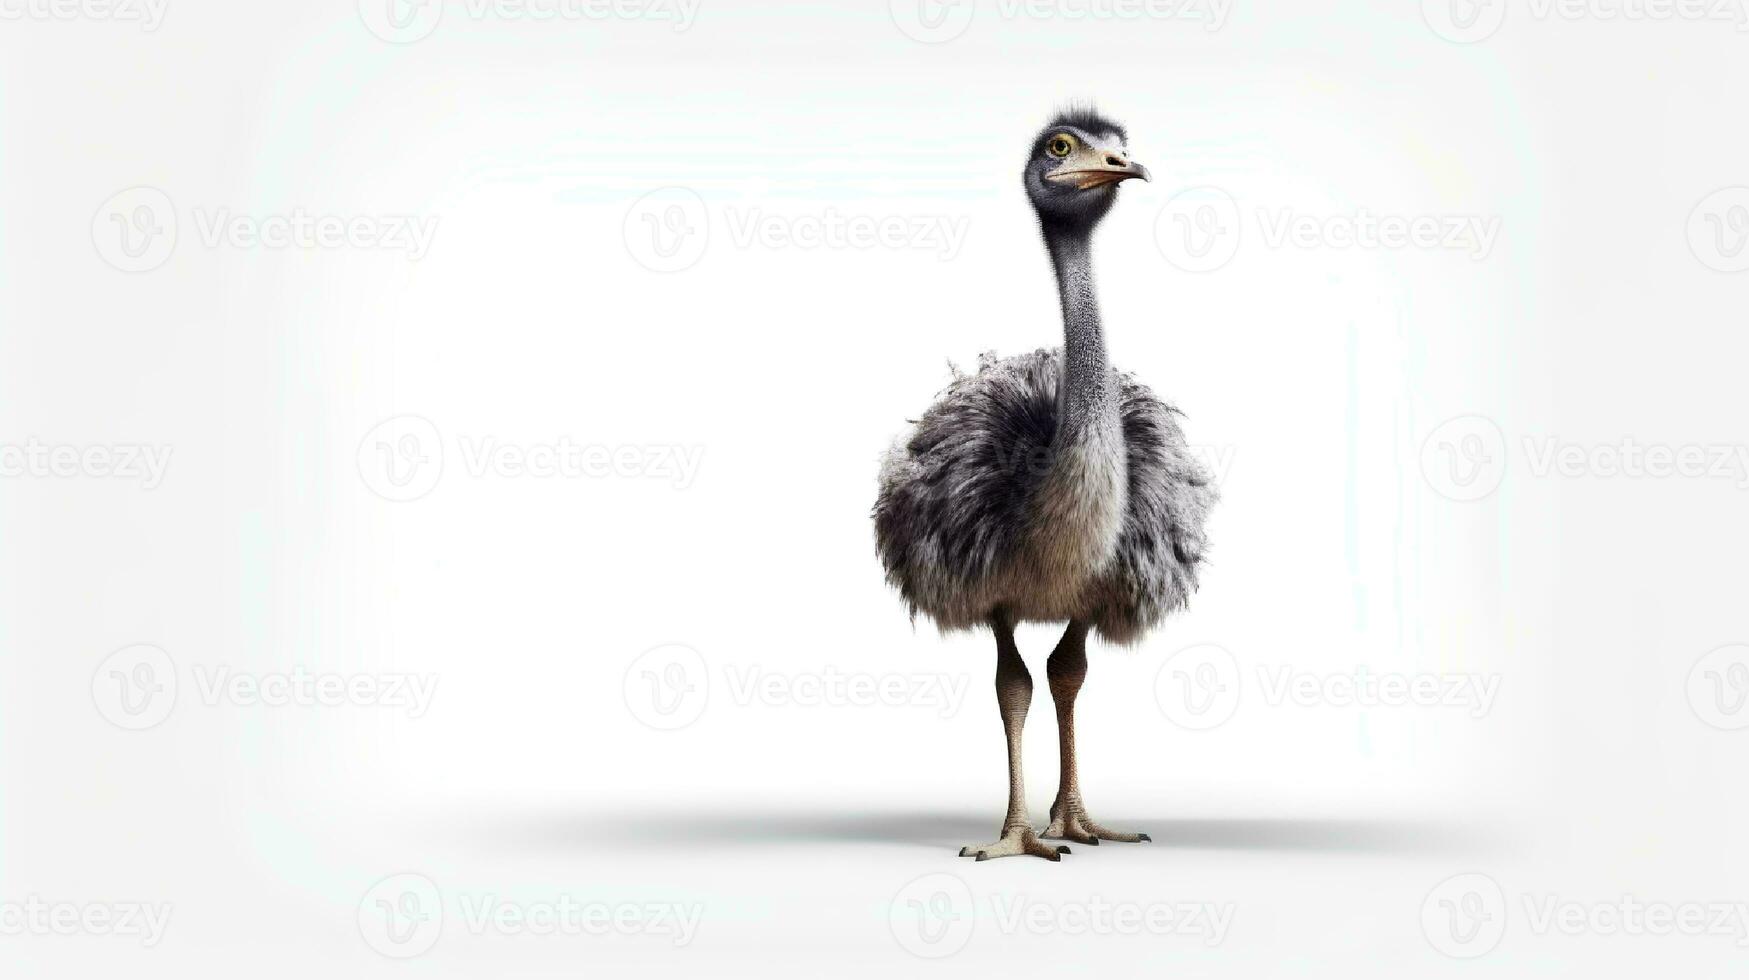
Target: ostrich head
[{"x": 1074, "y": 169}]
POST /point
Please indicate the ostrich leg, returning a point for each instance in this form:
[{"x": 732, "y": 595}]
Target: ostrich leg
[
  {"x": 1066, "y": 669},
  {"x": 1013, "y": 697}
]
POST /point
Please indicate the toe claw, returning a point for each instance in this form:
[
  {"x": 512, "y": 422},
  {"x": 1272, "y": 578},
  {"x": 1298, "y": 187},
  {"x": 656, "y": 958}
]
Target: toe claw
[
  {"x": 966, "y": 851},
  {"x": 1061, "y": 851},
  {"x": 1093, "y": 841},
  {"x": 1147, "y": 838},
  {"x": 983, "y": 856}
]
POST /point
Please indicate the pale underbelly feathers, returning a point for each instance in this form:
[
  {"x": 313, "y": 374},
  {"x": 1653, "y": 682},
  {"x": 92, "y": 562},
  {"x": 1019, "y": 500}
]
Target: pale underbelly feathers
[{"x": 1076, "y": 515}]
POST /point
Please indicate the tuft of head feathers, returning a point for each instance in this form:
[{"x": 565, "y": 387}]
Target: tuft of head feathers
[{"x": 1087, "y": 119}]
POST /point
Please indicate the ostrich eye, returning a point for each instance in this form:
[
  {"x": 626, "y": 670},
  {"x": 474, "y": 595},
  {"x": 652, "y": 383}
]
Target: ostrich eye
[{"x": 1059, "y": 146}]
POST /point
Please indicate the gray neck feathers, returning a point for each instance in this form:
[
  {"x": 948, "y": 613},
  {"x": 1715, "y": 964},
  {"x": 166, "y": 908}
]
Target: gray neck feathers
[{"x": 1088, "y": 391}]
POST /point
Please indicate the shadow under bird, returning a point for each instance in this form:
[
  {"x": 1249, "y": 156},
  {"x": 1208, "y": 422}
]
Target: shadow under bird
[{"x": 1049, "y": 487}]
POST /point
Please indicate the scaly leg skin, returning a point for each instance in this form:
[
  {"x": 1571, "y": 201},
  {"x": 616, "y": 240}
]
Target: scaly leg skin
[
  {"x": 1013, "y": 696},
  {"x": 1066, "y": 669}
]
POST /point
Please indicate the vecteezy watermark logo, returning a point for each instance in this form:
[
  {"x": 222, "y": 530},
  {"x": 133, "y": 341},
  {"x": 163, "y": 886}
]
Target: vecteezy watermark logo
[
  {"x": 135, "y": 687},
  {"x": 667, "y": 229},
  {"x": 116, "y": 461},
  {"x": 1718, "y": 688},
  {"x": 1464, "y": 458},
  {"x": 1198, "y": 229},
  {"x": 569, "y": 916},
  {"x": 1549, "y": 456},
  {"x": 1471, "y": 234},
  {"x": 149, "y": 14},
  {"x": 401, "y": 916},
  {"x": 933, "y": 21},
  {"x": 135, "y": 230},
  {"x": 939, "y": 21},
  {"x": 401, "y": 21},
  {"x": 299, "y": 228},
  {"x": 1631, "y": 916},
  {"x": 831, "y": 228},
  {"x": 401, "y": 459},
  {"x": 1469, "y": 21},
  {"x": 1283, "y": 685},
  {"x": 487, "y": 456},
  {"x": 145, "y": 921},
  {"x": 304, "y": 688},
  {"x": 932, "y": 916},
  {"x": 833, "y": 688},
  {"x": 1718, "y": 230},
  {"x": 1464, "y": 916},
  {"x": 667, "y": 687},
  {"x": 1097, "y": 916},
  {"x": 1464, "y": 21},
  {"x": 1198, "y": 687},
  {"x": 406, "y": 21},
  {"x": 1201, "y": 687}
]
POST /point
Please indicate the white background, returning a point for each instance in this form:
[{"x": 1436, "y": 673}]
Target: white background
[{"x": 1605, "y": 313}]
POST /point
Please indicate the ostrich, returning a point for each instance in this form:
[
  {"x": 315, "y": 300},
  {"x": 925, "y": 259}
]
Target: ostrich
[{"x": 1048, "y": 487}]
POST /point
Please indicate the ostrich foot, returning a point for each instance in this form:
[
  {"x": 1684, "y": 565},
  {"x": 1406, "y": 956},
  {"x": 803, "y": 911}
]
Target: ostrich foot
[
  {"x": 1015, "y": 840},
  {"x": 1072, "y": 823}
]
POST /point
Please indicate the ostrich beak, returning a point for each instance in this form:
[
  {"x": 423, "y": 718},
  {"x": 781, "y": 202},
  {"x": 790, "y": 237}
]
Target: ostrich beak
[{"x": 1112, "y": 169}]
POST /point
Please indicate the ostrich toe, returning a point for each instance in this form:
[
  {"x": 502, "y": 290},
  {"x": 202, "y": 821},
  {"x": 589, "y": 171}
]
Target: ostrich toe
[
  {"x": 1072, "y": 823},
  {"x": 1015, "y": 841}
]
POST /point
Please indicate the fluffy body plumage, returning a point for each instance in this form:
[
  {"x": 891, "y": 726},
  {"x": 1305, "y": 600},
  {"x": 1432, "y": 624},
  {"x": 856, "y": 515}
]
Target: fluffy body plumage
[{"x": 985, "y": 505}]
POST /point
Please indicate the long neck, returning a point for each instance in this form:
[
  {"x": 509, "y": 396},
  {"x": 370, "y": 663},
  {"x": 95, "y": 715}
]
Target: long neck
[{"x": 1088, "y": 387}]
